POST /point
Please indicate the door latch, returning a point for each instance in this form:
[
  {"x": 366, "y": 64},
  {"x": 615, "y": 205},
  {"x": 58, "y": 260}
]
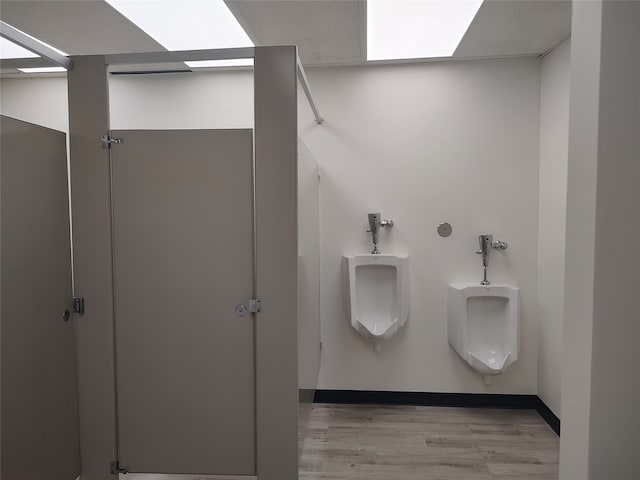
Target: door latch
[
  {"x": 255, "y": 306},
  {"x": 78, "y": 305},
  {"x": 107, "y": 140}
]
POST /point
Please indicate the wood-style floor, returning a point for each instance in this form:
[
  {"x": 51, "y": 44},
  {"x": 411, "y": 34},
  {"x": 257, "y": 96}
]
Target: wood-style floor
[
  {"x": 358, "y": 442},
  {"x": 353, "y": 442}
]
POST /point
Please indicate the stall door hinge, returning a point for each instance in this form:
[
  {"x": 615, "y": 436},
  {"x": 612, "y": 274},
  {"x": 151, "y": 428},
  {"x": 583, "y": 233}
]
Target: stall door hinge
[
  {"x": 107, "y": 140},
  {"x": 255, "y": 305},
  {"x": 78, "y": 305},
  {"x": 116, "y": 468}
]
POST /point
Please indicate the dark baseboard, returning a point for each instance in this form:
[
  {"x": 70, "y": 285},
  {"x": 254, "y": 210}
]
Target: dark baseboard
[
  {"x": 469, "y": 400},
  {"x": 548, "y": 416},
  {"x": 306, "y": 395},
  {"x": 474, "y": 400}
]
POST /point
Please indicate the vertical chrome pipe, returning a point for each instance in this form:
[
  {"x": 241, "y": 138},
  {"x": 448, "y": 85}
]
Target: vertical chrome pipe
[
  {"x": 374, "y": 227},
  {"x": 485, "y": 241}
]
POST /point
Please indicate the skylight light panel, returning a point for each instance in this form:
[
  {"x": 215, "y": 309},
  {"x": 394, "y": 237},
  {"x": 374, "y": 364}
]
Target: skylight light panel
[
  {"x": 43, "y": 70},
  {"x": 236, "y": 62},
  {"x": 187, "y": 24},
  {"x": 403, "y": 29}
]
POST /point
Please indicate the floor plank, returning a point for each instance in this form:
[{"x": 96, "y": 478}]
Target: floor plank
[{"x": 353, "y": 442}]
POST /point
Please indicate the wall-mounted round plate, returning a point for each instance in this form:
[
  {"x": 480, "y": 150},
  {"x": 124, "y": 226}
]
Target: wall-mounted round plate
[{"x": 445, "y": 229}]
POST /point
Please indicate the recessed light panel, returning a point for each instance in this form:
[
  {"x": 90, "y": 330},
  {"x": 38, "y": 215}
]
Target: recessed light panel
[
  {"x": 186, "y": 24},
  {"x": 236, "y": 62},
  {"x": 43, "y": 70},
  {"x": 402, "y": 29}
]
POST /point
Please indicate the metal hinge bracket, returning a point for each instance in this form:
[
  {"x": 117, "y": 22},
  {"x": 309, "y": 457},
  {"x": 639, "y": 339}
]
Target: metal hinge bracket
[
  {"x": 116, "y": 468},
  {"x": 255, "y": 305},
  {"x": 78, "y": 305},
  {"x": 107, "y": 140}
]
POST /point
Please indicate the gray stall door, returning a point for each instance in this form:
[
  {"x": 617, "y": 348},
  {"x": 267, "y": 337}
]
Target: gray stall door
[
  {"x": 39, "y": 390},
  {"x": 182, "y": 222}
]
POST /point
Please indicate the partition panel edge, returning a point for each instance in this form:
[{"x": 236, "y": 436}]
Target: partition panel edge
[
  {"x": 275, "y": 103},
  {"x": 90, "y": 204}
]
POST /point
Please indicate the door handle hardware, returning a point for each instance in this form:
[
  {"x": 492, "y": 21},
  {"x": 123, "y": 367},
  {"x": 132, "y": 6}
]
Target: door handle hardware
[
  {"x": 108, "y": 140},
  {"x": 255, "y": 306},
  {"x": 66, "y": 315},
  {"x": 78, "y": 305}
]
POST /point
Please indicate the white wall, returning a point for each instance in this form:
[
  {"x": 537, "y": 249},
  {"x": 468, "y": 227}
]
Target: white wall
[
  {"x": 615, "y": 381},
  {"x": 580, "y": 240},
  {"x": 554, "y": 150},
  {"x": 601, "y": 385},
  {"x": 182, "y": 100},
  {"x": 164, "y": 101},
  {"x": 424, "y": 144},
  {"x": 42, "y": 101}
]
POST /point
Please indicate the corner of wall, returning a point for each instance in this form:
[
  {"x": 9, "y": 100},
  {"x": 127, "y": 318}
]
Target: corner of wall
[{"x": 554, "y": 137}]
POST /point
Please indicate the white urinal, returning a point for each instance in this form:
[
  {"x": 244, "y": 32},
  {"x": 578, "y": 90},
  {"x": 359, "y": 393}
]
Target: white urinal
[
  {"x": 483, "y": 325},
  {"x": 377, "y": 294}
]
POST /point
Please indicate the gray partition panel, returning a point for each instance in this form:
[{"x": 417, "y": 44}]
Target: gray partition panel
[
  {"x": 275, "y": 91},
  {"x": 90, "y": 200},
  {"x": 39, "y": 385},
  {"x": 276, "y": 127},
  {"x": 183, "y": 249},
  {"x": 308, "y": 285}
]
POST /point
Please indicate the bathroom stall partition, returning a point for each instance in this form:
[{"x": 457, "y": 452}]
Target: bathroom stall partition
[
  {"x": 308, "y": 284},
  {"x": 183, "y": 258},
  {"x": 39, "y": 403},
  {"x": 185, "y": 252}
]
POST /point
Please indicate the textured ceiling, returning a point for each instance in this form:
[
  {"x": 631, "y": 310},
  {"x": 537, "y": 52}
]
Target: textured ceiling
[
  {"x": 334, "y": 31},
  {"x": 327, "y": 32},
  {"x": 77, "y": 27},
  {"x": 516, "y": 27}
]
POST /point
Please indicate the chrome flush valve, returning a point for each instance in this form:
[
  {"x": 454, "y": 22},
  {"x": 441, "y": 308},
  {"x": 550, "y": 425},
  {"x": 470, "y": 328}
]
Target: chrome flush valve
[
  {"x": 486, "y": 243},
  {"x": 375, "y": 222}
]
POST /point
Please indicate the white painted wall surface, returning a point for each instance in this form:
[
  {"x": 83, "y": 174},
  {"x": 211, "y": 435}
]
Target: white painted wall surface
[
  {"x": 601, "y": 420},
  {"x": 554, "y": 150},
  {"x": 164, "y": 101},
  {"x": 580, "y": 239},
  {"x": 42, "y": 101},
  {"x": 424, "y": 144},
  {"x": 182, "y": 100},
  {"x": 614, "y": 429}
]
